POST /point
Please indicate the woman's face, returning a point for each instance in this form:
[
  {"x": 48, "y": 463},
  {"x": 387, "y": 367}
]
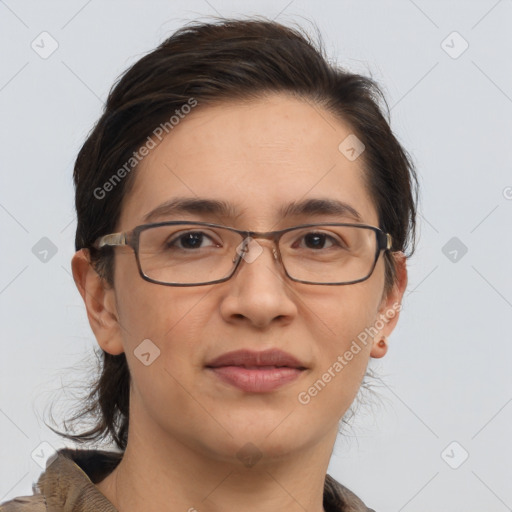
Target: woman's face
[{"x": 259, "y": 157}]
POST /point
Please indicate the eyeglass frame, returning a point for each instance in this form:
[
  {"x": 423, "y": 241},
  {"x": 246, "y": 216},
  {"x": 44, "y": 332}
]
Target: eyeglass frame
[{"x": 131, "y": 238}]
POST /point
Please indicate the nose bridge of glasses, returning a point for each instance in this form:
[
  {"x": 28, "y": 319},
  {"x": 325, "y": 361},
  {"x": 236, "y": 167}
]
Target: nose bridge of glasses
[{"x": 255, "y": 242}]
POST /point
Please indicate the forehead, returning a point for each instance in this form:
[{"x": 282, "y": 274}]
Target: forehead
[{"x": 259, "y": 156}]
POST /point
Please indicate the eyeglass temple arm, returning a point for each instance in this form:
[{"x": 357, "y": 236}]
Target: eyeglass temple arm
[
  {"x": 385, "y": 241},
  {"x": 112, "y": 239}
]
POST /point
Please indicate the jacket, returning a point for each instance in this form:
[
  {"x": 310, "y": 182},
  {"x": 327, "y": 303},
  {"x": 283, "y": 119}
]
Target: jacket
[{"x": 68, "y": 485}]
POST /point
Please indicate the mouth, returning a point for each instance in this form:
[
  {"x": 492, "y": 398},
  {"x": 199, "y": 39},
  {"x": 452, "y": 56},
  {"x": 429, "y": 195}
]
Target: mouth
[
  {"x": 273, "y": 358},
  {"x": 256, "y": 372}
]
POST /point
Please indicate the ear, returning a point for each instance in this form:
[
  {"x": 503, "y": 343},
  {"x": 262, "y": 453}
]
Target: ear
[
  {"x": 100, "y": 302},
  {"x": 389, "y": 309}
]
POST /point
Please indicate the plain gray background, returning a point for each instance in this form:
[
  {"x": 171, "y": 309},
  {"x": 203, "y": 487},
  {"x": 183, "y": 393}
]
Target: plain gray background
[{"x": 447, "y": 376}]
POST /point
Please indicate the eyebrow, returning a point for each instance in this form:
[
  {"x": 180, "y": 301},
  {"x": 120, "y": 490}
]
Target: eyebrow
[{"x": 318, "y": 206}]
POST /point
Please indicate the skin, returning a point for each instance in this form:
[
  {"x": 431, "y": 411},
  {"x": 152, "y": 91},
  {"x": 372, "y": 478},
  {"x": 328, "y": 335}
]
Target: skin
[{"x": 186, "y": 426}]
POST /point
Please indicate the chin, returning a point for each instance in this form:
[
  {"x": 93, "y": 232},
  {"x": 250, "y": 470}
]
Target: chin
[{"x": 260, "y": 440}]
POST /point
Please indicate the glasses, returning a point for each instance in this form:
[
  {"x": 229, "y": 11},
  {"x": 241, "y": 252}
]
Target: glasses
[{"x": 181, "y": 253}]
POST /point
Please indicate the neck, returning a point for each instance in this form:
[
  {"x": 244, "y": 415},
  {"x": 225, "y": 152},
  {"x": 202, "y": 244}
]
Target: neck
[{"x": 170, "y": 475}]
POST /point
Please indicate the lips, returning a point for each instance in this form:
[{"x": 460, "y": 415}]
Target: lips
[
  {"x": 272, "y": 358},
  {"x": 256, "y": 372}
]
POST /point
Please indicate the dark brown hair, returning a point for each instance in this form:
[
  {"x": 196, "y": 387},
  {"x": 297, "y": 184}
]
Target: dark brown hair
[{"x": 213, "y": 62}]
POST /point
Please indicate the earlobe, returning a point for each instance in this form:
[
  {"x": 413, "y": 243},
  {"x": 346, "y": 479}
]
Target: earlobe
[
  {"x": 100, "y": 302},
  {"x": 390, "y": 307},
  {"x": 380, "y": 347}
]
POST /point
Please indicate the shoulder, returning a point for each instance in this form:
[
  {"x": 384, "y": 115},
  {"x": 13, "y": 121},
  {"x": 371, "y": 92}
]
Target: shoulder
[
  {"x": 68, "y": 481},
  {"x": 34, "y": 503},
  {"x": 340, "y": 498}
]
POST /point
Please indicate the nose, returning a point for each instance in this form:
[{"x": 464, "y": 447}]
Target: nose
[
  {"x": 250, "y": 249},
  {"x": 258, "y": 293}
]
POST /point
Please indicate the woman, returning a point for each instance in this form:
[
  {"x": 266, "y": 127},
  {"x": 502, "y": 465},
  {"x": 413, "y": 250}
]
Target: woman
[{"x": 243, "y": 214}]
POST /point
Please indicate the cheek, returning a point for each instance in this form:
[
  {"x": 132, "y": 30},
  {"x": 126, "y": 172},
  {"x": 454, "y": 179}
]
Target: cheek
[
  {"x": 168, "y": 323},
  {"x": 341, "y": 324},
  {"x": 339, "y": 314},
  {"x": 173, "y": 320},
  {"x": 148, "y": 310}
]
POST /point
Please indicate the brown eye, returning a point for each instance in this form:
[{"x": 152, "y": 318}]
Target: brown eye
[{"x": 190, "y": 240}]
